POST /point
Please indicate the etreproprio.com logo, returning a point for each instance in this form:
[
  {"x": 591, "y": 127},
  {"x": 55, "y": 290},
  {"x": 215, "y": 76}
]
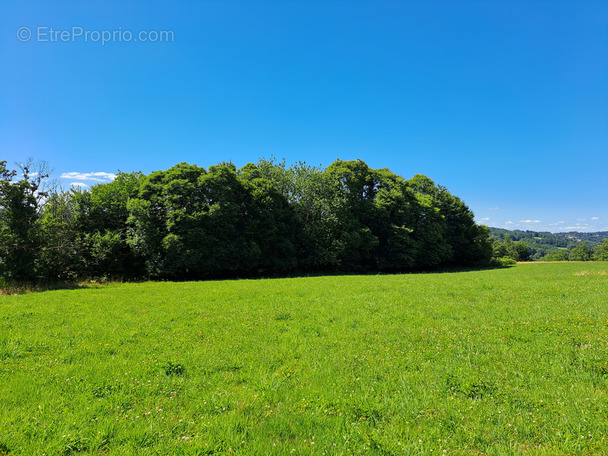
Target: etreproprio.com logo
[{"x": 45, "y": 34}]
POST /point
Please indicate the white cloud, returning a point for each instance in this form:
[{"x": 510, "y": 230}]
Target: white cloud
[
  {"x": 580, "y": 228},
  {"x": 529, "y": 221},
  {"x": 78, "y": 184},
  {"x": 493, "y": 208},
  {"x": 485, "y": 219},
  {"x": 509, "y": 223},
  {"x": 595, "y": 218},
  {"x": 99, "y": 176},
  {"x": 556, "y": 223}
]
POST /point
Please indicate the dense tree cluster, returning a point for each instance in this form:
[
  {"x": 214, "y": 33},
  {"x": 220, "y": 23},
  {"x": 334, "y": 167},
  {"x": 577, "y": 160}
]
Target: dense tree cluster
[
  {"x": 264, "y": 219},
  {"x": 516, "y": 251}
]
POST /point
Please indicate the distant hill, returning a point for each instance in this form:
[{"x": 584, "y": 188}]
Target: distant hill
[{"x": 542, "y": 243}]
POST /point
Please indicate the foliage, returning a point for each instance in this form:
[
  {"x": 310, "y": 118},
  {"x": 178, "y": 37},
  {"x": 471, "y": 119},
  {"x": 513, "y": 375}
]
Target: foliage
[
  {"x": 20, "y": 235},
  {"x": 264, "y": 219},
  {"x": 601, "y": 251},
  {"x": 85, "y": 232},
  {"x": 497, "y": 361},
  {"x": 544, "y": 245},
  {"x": 560, "y": 255},
  {"x": 581, "y": 252},
  {"x": 503, "y": 261},
  {"x": 516, "y": 251},
  {"x": 459, "y": 241},
  {"x": 62, "y": 255}
]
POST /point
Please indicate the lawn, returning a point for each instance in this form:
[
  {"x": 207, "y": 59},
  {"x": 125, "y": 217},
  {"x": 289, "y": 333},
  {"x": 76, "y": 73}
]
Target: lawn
[{"x": 494, "y": 362}]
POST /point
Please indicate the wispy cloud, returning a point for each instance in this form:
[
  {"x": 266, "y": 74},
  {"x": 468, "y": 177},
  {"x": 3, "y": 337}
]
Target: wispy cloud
[
  {"x": 595, "y": 218},
  {"x": 529, "y": 221},
  {"x": 509, "y": 223},
  {"x": 485, "y": 219},
  {"x": 493, "y": 208},
  {"x": 78, "y": 184},
  {"x": 99, "y": 176},
  {"x": 556, "y": 223}
]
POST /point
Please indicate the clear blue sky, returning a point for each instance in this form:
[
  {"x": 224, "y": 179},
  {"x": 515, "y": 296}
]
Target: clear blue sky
[{"x": 503, "y": 102}]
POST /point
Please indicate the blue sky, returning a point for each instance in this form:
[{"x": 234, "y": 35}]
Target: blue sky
[{"x": 503, "y": 102}]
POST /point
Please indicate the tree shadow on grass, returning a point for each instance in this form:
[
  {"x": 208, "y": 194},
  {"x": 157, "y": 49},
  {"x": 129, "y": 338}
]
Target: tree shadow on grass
[
  {"x": 37, "y": 287},
  {"x": 337, "y": 273},
  {"x": 17, "y": 288}
]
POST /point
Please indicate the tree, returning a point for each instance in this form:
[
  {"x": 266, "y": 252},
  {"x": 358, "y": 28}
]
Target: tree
[
  {"x": 270, "y": 223},
  {"x": 61, "y": 255},
  {"x": 100, "y": 217},
  {"x": 356, "y": 186},
  {"x": 581, "y": 252},
  {"x": 560, "y": 255},
  {"x": 469, "y": 243},
  {"x": 189, "y": 222},
  {"x": 396, "y": 216},
  {"x": 20, "y": 203},
  {"x": 499, "y": 249},
  {"x": 601, "y": 251},
  {"x": 166, "y": 202},
  {"x": 428, "y": 224},
  {"x": 314, "y": 197},
  {"x": 521, "y": 251}
]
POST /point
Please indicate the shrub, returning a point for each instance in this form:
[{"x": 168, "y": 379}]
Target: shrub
[{"x": 503, "y": 262}]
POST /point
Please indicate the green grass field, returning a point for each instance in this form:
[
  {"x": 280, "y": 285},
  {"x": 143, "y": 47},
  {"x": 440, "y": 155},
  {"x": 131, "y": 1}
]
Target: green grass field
[{"x": 494, "y": 362}]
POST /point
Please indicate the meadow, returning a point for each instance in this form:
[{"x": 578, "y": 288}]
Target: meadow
[{"x": 494, "y": 362}]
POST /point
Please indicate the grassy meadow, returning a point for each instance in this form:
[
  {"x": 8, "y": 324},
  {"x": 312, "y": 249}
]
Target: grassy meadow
[{"x": 493, "y": 362}]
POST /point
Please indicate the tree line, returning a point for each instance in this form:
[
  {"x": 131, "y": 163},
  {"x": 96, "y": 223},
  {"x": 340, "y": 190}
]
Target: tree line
[
  {"x": 532, "y": 245},
  {"x": 263, "y": 219}
]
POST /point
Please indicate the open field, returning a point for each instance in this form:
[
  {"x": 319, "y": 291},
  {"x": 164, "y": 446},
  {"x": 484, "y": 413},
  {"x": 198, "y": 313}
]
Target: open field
[{"x": 510, "y": 361}]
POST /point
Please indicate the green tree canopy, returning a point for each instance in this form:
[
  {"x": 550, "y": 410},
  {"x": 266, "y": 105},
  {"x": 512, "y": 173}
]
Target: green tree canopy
[
  {"x": 21, "y": 196},
  {"x": 601, "y": 252},
  {"x": 188, "y": 222},
  {"x": 581, "y": 252}
]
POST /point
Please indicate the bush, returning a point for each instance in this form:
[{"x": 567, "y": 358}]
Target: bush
[
  {"x": 503, "y": 262},
  {"x": 556, "y": 256}
]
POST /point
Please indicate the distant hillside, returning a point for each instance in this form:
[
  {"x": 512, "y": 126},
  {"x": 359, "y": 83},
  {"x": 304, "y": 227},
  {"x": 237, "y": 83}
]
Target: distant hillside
[
  {"x": 592, "y": 238},
  {"x": 542, "y": 243}
]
